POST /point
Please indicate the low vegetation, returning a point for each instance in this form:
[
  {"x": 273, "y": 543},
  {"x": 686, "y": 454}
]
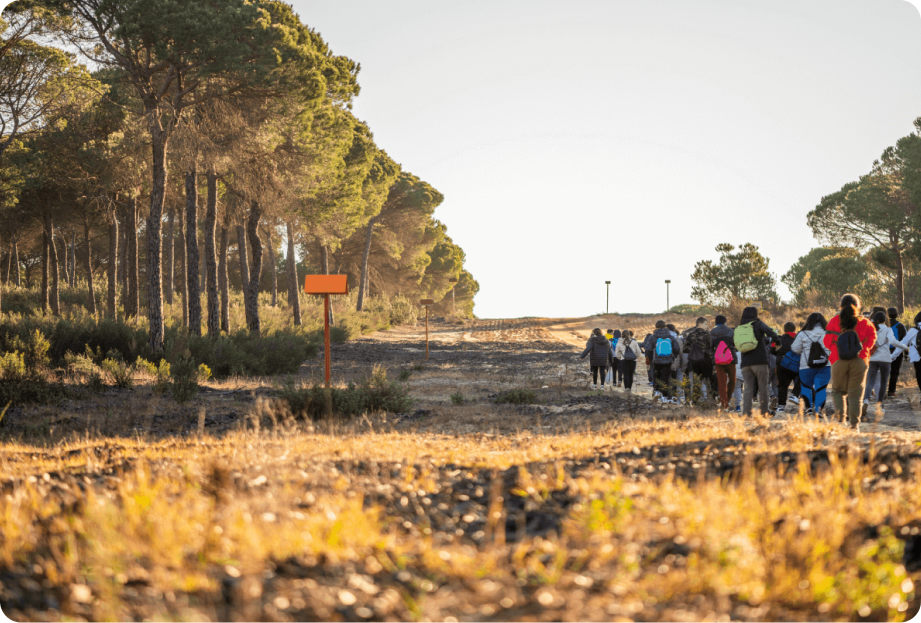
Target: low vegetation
[{"x": 373, "y": 394}]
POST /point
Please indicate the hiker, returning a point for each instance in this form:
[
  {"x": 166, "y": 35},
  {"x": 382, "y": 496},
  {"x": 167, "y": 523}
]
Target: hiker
[
  {"x": 749, "y": 340},
  {"x": 617, "y": 372},
  {"x": 724, "y": 359},
  {"x": 849, "y": 337},
  {"x": 649, "y": 348},
  {"x": 899, "y": 331},
  {"x": 665, "y": 348},
  {"x": 881, "y": 359},
  {"x": 911, "y": 341},
  {"x": 678, "y": 363},
  {"x": 814, "y": 364},
  {"x": 697, "y": 347},
  {"x": 601, "y": 352},
  {"x": 787, "y": 367},
  {"x": 628, "y": 351}
]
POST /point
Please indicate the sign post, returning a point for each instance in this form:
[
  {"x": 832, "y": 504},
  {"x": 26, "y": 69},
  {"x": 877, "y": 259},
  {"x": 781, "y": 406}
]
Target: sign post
[
  {"x": 325, "y": 285},
  {"x": 454, "y": 281},
  {"x": 426, "y": 303}
]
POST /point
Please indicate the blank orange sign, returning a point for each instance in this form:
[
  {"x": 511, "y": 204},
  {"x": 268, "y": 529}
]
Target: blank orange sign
[{"x": 326, "y": 284}]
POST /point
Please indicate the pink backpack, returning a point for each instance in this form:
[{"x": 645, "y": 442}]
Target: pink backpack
[{"x": 723, "y": 355}]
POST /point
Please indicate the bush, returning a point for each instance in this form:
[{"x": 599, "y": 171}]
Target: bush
[
  {"x": 405, "y": 373},
  {"x": 186, "y": 376},
  {"x": 372, "y": 394},
  {"x": 402, "y": 311},
  {"x": 120, "y": 372},
  {"x": 84, "y": 369},
  {"x": 457, "y": 398},
  {"x": 242, "y": 354},
  {"x": 517, "y": 397}
]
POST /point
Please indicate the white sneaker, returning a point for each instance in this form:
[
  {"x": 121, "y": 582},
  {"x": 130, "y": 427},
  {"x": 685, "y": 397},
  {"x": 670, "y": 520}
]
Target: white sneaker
[
  {"x": 780, "y": 409},
  {"x": 594, "y": 387},
  {"x": 793, "y": 399}
]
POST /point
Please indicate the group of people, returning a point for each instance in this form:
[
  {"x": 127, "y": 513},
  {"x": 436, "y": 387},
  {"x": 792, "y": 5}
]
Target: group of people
[{"x": 858, "y": 357}]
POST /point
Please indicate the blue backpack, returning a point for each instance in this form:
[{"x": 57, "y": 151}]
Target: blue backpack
[
  {"x": 790, "y": 361},
  {"x": 663, "y": 347}
]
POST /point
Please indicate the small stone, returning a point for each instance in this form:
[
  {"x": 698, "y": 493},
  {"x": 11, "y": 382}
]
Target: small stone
[
  {"x": 347, "y": 598},
  {"x": 81, "y": 593}
]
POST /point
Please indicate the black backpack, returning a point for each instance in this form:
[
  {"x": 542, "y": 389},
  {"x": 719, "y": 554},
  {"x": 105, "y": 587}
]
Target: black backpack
[
  {"x": 696, "y": 353},
  {"x": 849, "y": 345},
  {"x": 817, "y": 357}
]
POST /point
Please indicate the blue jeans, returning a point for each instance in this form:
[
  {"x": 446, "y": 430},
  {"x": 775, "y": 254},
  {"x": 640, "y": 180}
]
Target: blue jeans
[{"x": 814, "y": 383}]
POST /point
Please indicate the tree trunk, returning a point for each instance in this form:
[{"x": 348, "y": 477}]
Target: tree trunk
[
  {"x": 325, "y": 260},
  {"x": 46, "y": 271},
  {"x": 55, "y": 301},
  {"x": 252, "y": 231},
  {"x": 123, "y": 262},
  {"x": 154, "y": 226},
  {"x": 134, "y": 302},
  {"x": 294, "y": 299},
  {"x": 65, "y": 265},
  {"x": 169, "y": 258},
  {"x": 73, "y": 258},
  {"x": 244, "y": 267},
  {"x": 223, "y": 281},
  {"x": 17, "y": 278},
  {"x": 191, "y": 243},
  {"x": 273, "y": 265},
  {"x": 363, "y": 283},
  {"x": 91, "y": 303},
  {"x": 9, "y": 263},
  {"x": 214, "y": 312},
  {"x": 112, "y": 290},
  {"x": 183, "y": 282},
  {"x": 899, "y": 274}
]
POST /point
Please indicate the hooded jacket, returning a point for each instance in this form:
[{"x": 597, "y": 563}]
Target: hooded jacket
[
  {"x": 759, "y": 355},
  {"x": 885, "y": 336},
  {"x": 622, "y": 347},
  {"x": 701, "y": 337},
  {"x": 866, "y": 333},
  {"x": 803, "y": 344},
  {"x": 600, "y": 349},
  {"x": 664, "y": 334}
]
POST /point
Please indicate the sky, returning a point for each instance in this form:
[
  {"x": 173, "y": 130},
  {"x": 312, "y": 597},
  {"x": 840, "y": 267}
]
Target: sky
[{"x": 578, "y": 142}]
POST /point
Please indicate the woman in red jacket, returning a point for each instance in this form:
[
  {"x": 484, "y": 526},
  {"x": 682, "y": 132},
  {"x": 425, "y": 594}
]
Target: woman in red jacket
[{"x": 849, "y": 364}]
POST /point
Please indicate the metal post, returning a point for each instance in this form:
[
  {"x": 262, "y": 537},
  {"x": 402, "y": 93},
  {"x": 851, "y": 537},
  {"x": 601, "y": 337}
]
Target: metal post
[
  {"x": 452, "y": 300},
  {"x": 426, "y": 332},
  {"x": 326, "y": 335},
  {"x": 607, "y": 302},
  {"x": 667, "y": 303}
]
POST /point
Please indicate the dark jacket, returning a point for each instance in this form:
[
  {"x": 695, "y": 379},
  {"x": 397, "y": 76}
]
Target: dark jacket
[
  {"x": 786, "y": 342},
  {"x": 649, "y": 345},
  {"x": 663, "y": 334},
  {"x": 759, "y": 355},
  {"x": 701, "y": 337},
  {"x": 722, "y": 333},
  {"x": 600, "y": 349}
]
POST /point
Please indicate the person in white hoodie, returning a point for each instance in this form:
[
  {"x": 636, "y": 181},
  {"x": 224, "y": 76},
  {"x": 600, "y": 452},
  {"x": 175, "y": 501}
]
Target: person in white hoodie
[
  {"x": 911, "y": 341},
  {"x": 814, "y": 378},
  {"x": 880, "y": 360},
  {"x": 627, "y": 352}
]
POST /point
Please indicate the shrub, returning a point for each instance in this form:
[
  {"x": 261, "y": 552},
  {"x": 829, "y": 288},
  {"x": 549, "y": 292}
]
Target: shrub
[
  {"x": 339, "y": 334},
  {"x": 240, "y": 353},
  {"x": 457, "y": 398},
  {"x": 375, "y": 393},
  {"x": 120, "y": 372},
  {"x": 405, "y": 373},
  {"x": 517, "y": 397},
  {"x": 12, "y": 366},
  {"x": 84, "y": 369},
  {"x": 185, "y": 375},
  {"x": 402, "y": 311}
]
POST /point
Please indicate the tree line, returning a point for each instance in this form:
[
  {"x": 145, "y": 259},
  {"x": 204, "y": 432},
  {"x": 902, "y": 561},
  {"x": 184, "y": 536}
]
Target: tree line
[
  {"x": 870, "y": 230},
  {"x": 194, "y": 138}
]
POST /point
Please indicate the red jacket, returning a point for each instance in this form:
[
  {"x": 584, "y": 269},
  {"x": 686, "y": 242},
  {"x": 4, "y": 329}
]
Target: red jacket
[{"x": 866, "y": 333}]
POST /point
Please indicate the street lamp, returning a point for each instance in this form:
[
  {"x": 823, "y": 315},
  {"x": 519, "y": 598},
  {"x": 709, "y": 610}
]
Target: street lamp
[
  {"x": 667, "y": 306},
  {"x": 607, "y": 302}
]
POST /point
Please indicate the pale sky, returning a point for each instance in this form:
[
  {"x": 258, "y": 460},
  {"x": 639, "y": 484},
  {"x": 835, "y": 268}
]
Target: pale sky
[{"x": 578, "y": 142}]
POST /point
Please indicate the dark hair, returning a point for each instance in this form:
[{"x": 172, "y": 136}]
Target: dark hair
[
  {"x": 617, "y": 333},
  {"x": 918, "y": 318},
  {"x": 721, "y": 319},
  {"x": 671, "y": 327},
  {"x": 850, "y": 308},
  {"x": 879, "y": 318},
  {"x": 701, "y": 320},
  {"x": 627, "y": 333},
  {"x": 749, "y": 314},
  {"x": 660, "y": 324},
  {"x": 893, "y": 313},
  {"x": 815, "y": 318},
  {"x": 789, "y": 327},
  {"x": 596, "y": 331}
]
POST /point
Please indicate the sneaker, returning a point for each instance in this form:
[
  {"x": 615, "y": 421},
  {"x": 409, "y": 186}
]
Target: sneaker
[
  {"x": 737, "y": 410},
  {"x": 780, "y": 410},
  {"x": 809, "y": 412},
  {"x": 656, "y": 394},
  {"x": 772, "y": 404},
  {"x": 793, "y": 399},
  {"x": 594, "y": 387}
]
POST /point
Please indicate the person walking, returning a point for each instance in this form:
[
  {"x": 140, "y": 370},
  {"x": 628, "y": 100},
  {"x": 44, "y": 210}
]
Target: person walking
[
  {"x": 600, "y": 350},
  {"x": 899, "y": 331},
  {"x": 649, "y": 347},
  {"x": 849, "y": 338},
  {"x": 787, "y": 367},
  {"x": 698, "y": 349},
  {"x": 665, "y": 349},
  {"x": 724, "y": 359},
  {"x": 911, "y": 340},
  {"x": 749, "y": 340},
  {"x": 814, "y": 365},
  {"x": 880, "y": 360},
  {"x": 617, "y": 373},
  {"x": 627, "y": 352}
]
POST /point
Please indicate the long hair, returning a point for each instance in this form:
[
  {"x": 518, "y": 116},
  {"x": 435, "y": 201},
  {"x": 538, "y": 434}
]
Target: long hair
[
  {"x": 596, "y": 331},
  {"x": 749, "y": 314},
  {"x": 815, "y": 318},
  {"x": 879, "y": 319},
  {"x": 850, "y": 310}
]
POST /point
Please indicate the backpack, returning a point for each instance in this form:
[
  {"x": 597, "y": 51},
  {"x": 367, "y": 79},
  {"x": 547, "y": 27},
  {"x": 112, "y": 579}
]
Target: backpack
[
  {"x": 848, "y": 343},
  {"x": 696, "y": 354},
  {"x": 790, "y": 361},
  {"x": 817, "y": 357},
  {"x": 744, "y": 337},
  {"x": 723, "y": 355},
  {"x": 663, "y": 347},
  {"x": 629, "y": 354}
]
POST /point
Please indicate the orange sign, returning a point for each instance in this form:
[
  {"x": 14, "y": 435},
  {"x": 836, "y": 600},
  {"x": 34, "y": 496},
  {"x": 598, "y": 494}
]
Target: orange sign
[
  {"x": 427, "y": 302},
  {"x": 326, "y": 284}
]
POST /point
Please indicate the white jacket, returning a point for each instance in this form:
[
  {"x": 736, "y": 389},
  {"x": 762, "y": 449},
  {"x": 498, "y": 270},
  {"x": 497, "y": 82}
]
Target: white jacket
[
  {"x": 803, "y": 343},
  {"x": 886, "y": 337},
  {"x": 621, "y": 348},
  {"x": 910, "y": 340}
]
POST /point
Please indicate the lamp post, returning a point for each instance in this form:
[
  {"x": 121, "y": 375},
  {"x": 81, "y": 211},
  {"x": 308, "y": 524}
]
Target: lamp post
[
  {"x": 667, "y": 305},
  {"x": 607, "y": 301}
]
